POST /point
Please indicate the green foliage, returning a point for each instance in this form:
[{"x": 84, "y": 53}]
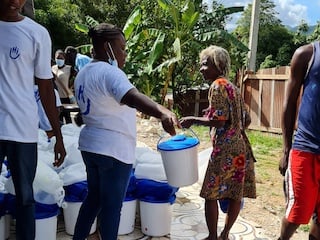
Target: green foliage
[
  {"x": 316, "y": 33},
  {"x": 164, "y": 37},
  {"x": 273, "y": 39},
  {"x": 59, "y": 17}
]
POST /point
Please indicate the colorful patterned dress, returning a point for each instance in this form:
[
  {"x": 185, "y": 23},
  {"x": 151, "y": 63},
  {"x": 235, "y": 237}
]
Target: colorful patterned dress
[{"x": 230, "y": 171}]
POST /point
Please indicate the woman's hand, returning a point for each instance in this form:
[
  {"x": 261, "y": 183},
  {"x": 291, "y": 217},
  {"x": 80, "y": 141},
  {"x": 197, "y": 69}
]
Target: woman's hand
[{"x": 187, "y": 122}]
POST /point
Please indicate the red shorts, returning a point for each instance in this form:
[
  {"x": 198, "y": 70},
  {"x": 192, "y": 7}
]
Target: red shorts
[{"x": 302, "y": 186}]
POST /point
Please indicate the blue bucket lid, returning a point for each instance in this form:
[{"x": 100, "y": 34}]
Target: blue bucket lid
[{"x": 178, "y": 142}]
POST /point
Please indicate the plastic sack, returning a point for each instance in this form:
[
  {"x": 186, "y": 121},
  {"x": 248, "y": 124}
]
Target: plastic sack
[
  {"x": 131, "y": 190},
  {"x": 73, "y": 173},
  {"x": 155, "y": 192},
  {"x": 76, "y": 192},
  {"x": 224, "y": 204},
  {"x": 47, "y": 181},
  {"x": 73, "y": 155},
  {"x": 150, "y": 166},
  {"x": 46, "y": 210}
]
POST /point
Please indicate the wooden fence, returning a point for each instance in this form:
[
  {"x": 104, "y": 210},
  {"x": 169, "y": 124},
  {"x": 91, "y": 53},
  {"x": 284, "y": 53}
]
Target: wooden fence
[{"x": 263, "y": 94}]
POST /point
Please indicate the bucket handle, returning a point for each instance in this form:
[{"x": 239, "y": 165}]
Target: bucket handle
[{"x": 183, "y": 129}]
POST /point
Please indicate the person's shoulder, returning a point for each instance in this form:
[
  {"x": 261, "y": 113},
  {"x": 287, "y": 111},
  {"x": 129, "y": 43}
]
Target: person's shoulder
[
  {"x": 304, "y": 50},
  {"x": 83, "y": 56},
  {"x": 34, "y": 24},
  {"x": 68, "y": 67},
  {"x": 54, "y": 67}
]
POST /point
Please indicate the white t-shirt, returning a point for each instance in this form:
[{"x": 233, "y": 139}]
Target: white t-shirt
[
  {"x": 44, "y": 123},
  {"x": 25, "y": 53},
  {"x": 110, "y": 127}
]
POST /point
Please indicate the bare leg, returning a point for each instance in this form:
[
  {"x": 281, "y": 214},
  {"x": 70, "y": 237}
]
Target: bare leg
[
  {"x": 231, "y": 217},
  {"x": 211, "y": 213},
  {"x": 287, "y": 229},
  {"x": 314, "y": 230}
]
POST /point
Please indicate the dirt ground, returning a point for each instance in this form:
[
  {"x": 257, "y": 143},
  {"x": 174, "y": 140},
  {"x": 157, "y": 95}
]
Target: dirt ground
[{"x": 266, "y": 211}]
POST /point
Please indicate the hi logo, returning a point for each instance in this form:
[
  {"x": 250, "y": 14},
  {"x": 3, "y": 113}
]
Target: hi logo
[{"x": 14, "y": 52}]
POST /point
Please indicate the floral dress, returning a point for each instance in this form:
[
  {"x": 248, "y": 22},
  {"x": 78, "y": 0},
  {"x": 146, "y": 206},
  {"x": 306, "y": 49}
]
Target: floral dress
[{"x": 230, "y": 171}]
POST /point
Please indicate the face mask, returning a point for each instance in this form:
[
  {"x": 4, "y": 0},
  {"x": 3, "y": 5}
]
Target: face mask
[
  {"x": 112, "y": 61},
  {"x": 60, "y": 62}
]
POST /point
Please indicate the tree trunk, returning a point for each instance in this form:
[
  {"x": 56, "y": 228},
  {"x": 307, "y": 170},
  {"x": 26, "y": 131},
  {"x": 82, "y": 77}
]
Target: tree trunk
[{"x": 28, "y": 9}]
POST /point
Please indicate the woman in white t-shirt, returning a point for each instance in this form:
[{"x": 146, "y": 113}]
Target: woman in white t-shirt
[
  {"x": 108, "y": 103},
  {"x": 63, "y": 74}
]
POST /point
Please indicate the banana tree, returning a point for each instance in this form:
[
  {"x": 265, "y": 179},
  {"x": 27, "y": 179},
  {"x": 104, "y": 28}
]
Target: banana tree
[{"x": 191, "y": 30}]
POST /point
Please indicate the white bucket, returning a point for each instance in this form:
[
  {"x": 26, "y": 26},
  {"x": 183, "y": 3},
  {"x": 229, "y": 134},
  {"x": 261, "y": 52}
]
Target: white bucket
[
  {"x": 180, "y": 159},
  {"x": 70, "y": 214},
  {"x": 155, "y": 218},
  {"x": 128, "y": 216},
  {"x": 7, "y": 222},
  {"x": 46, "y": 228},
  {"x": 2, "y": 228}
]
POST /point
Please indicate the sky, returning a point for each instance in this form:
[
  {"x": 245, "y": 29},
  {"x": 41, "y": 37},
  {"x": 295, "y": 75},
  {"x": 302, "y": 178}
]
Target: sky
[{"x": 290, "y": 12}]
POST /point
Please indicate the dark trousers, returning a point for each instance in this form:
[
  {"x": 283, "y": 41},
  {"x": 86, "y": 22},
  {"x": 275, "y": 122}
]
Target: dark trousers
[
  {"x": 108, "y": 180},
  {"x": 22, "y": 163},
  {"x": 65, "y": 116}
]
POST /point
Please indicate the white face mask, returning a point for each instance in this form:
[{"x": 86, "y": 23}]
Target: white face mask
[
  {"x": 111, "y": 61},
  {"x": 60, "y": 62}
]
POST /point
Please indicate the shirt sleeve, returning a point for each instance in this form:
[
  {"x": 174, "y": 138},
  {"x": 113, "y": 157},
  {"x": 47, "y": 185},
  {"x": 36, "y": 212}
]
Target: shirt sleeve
[
  {"x": 119, "y": 84},
  {"x": 218, "y": 102},
  {"x": 43, "y": 54}
]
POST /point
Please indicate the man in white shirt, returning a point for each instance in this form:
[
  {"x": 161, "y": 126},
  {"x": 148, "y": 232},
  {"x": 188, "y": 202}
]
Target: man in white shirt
[{"x": 25, "y": 54}]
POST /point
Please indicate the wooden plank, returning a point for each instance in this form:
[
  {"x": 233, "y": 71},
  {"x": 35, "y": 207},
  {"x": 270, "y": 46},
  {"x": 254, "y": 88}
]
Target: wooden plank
[
  {"x": 266, "y": 77},
  {"x": 264, "y": 129},
  {"x": 254, "y": 103},
  {"x": 266, "y": 102},
  {"x": 279, "y": 90}
]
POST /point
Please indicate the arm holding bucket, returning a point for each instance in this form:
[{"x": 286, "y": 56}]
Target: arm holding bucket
[{"x": 133, "y": 98}]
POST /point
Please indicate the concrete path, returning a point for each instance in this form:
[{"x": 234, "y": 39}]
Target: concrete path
[{"x": 187, "y": 222}]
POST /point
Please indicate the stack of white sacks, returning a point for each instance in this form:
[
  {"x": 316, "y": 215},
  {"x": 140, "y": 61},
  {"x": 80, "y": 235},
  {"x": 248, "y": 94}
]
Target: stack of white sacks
[{"x": 50, "y": 181}]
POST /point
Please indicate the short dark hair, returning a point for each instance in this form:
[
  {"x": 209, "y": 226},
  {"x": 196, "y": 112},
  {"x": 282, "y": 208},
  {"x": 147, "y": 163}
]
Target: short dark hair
[
  {"x": 70, "y": 50},
  {"x": 104, "y": 32}
]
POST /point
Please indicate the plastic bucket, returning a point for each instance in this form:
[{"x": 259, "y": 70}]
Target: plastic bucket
[
  {"x": 46, "y": 228},
  {"x": 2, "y": 228},
  {"x": 70, "y": 214},
  {"x": 128, "y": 216},
  {"x": 46, "y": 221},
  {"x": 7, "y": 220},
  {"x": 180, "y": 159},
  {"x": 155, "y": 218}
]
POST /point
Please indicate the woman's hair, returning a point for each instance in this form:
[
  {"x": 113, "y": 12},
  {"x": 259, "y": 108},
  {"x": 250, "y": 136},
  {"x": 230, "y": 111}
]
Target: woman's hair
[
  {"x": 219, "y": 57},
  {"x": 58, "y": 52},
  {"x": 103, "y": 32}
]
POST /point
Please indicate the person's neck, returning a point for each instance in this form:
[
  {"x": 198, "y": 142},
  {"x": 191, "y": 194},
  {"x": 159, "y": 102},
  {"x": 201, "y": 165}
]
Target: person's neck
[
  {"x": 9, "y": 18},
  {"x": 96, "y": 59}
]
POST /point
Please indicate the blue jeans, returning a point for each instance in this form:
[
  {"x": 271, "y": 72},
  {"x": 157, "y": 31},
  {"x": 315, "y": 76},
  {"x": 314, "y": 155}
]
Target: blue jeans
[
  {"x": 22, "y": 162},
  {"x": 108, "y": 180}
]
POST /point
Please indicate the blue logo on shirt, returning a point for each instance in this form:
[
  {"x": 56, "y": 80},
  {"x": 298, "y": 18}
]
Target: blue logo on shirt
[
  {"x": 85, "y": 101},
  {"x": 14, "y": 52}
]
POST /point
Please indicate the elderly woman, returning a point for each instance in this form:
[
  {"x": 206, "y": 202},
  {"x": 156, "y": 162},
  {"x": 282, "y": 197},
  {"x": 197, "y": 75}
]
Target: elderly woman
[
  {"x": 108, "y": 103},
  {"x": 230, "y": 171}
]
